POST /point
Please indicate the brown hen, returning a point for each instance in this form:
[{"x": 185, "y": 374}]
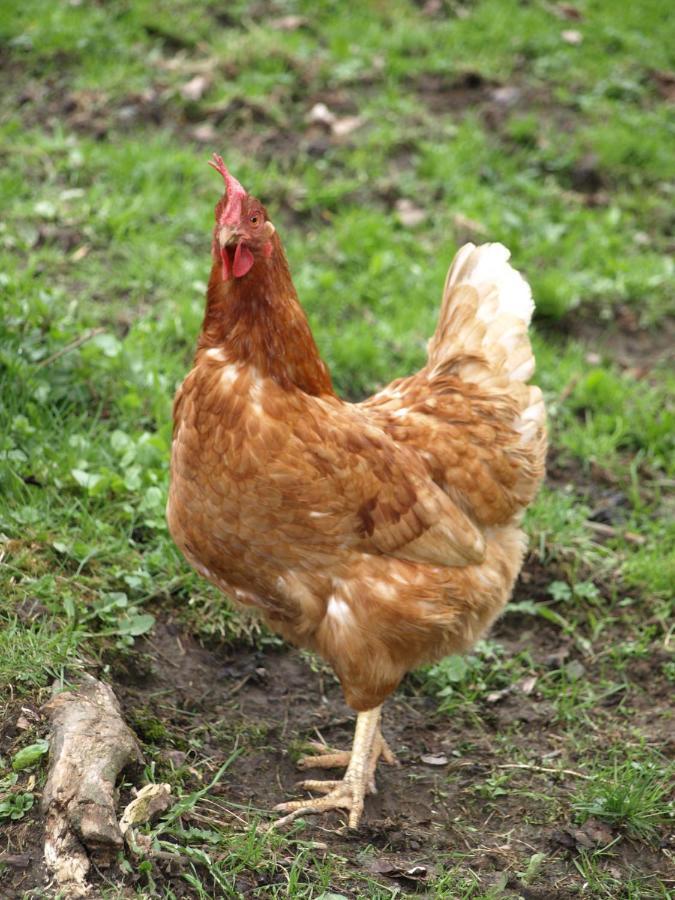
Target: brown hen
[{"x": 382, "y": 534}]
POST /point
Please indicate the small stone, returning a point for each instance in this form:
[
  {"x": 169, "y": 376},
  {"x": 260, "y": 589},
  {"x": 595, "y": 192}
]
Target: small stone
[
  {"x": 575, "y": 670},
  {"x": 176, "y": 758}
]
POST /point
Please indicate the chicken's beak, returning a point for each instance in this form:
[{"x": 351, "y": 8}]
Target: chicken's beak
[{"x": 227, "y": 235}]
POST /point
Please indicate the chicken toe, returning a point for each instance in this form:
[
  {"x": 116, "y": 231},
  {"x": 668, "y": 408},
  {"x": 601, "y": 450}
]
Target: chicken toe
[
  {"x": 359, "y": 779},
  {"x": 325, "y": 758},
  {"x": 347, "y": 794}
]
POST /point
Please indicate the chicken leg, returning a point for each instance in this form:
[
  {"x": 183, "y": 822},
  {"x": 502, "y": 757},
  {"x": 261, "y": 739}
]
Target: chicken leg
[{"x": 358, "y": 780}]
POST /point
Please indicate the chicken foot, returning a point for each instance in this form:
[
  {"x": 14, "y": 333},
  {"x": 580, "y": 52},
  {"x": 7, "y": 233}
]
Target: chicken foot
[
  {"x": 325, "y": 757},
  {"x": 359, "y": 779}
]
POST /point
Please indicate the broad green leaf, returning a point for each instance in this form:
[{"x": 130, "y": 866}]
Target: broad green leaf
[
  {"x": 136, "y": 625},
  {"x": 29, "y": 756}
]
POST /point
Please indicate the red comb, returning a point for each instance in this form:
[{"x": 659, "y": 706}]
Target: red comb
[{"x": 231, "y": 214}]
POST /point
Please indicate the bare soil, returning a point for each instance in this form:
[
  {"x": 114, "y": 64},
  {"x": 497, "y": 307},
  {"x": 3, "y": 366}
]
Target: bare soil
[{"x": 195, "y": 705}]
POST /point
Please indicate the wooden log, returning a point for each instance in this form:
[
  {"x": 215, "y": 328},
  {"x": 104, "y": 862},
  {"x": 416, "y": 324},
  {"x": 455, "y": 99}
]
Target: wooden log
[{"x": 90, "y": 745}]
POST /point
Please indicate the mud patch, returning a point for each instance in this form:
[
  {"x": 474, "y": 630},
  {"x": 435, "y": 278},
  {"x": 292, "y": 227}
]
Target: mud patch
[
  {"x": 622, "y": 341},
  {"x": 496, "y": 102},
  {"x": 443, "y": 94}
]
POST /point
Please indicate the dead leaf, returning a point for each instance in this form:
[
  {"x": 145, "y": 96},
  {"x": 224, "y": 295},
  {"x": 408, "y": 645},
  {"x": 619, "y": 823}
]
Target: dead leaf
[
  {"x": 432, "y": 7},
  {"x": 381, "y": 866},
  {"x": 152, "y": 800},
  {"x": 204, "y": 133},
  {"x": 527, "y": 685},
  {"x": 194, "y": 89},
  {"x": 80, "y": 253},
  {"x": 665, "y": 84},
  {"x": 572, "y": 37},
  {"x": 416, "y": 872},
  {"x": 506, "y": 95},
  {"x": 319, "y": 114},
  {"x": 187, "y": 65},
  {"x": 408, "y": 213},
  {"x": 598, "y": 832},
  {"x": 345, "y": 126},
  {"x": 393, "y": 869},
  {"x": 461, "y": 221},
  {"x": 567, "y": 11},
  {"x": 496, "y": 696},
  {"x": 435, "y": 759},
  {"x": 289, "y": 23},
  {"x": 589, "y": 836}
]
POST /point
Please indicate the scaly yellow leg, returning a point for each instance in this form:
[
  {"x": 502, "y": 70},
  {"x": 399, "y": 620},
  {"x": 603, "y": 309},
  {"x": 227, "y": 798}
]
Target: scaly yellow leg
[{"x": 359, "y": 778}]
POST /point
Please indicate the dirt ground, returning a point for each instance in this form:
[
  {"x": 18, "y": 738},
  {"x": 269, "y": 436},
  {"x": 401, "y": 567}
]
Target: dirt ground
[{"x": 180, "y": 695}]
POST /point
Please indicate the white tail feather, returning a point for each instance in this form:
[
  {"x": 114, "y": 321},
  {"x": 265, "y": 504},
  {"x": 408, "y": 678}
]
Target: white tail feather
[
  {"x": 488, "y": 267},
  {"x": 487, "y": 306}
]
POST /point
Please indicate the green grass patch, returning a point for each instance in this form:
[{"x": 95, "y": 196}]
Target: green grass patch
[{"x": 496, "y": 126}]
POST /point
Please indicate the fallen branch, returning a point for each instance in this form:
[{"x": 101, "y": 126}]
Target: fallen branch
[
  {"x": 533, "y": 768},
  {"x": 68, "y": 348},
  {"x": 610, "y": 531},
  {"x": 90, "y": 746}
]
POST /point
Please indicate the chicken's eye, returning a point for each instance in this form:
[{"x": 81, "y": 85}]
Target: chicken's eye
[{"x": 254, "y": 219}]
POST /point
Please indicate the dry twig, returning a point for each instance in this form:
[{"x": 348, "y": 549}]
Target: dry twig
[{"x": 73, "y": 345}]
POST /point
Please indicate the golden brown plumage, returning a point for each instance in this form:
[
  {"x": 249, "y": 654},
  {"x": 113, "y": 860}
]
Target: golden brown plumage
[{"x": 383, "y": 534}]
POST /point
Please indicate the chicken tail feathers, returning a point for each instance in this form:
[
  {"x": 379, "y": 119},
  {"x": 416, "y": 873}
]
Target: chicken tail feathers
[
  {"x": 482, "y": 338},
  {"x": 486, "y": 308}
]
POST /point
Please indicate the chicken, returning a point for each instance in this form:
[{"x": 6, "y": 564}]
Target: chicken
[{"x": 383, "y": 534}]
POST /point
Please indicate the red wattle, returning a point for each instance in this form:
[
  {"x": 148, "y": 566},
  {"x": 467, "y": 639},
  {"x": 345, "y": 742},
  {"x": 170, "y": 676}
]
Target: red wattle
[{"x": 243, "y": 260}]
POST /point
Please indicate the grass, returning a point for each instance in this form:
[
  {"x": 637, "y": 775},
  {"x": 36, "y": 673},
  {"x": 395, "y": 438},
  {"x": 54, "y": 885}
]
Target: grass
[
  {"x": 633, "y": 794},
  {"x": 104, "y": 243}
]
